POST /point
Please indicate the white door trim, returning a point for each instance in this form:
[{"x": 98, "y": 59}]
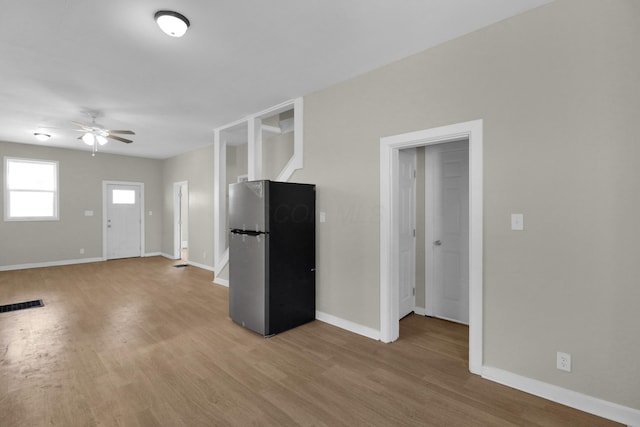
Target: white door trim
[
  {"x": 140, "y": 185},
  {"x": 177, "y": 209},
  {"x": 389, "y": 268}
]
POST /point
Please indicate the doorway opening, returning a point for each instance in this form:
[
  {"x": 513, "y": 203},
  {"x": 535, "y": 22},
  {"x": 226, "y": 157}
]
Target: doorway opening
[
  {"x": 181, "y": 221},
  {"x": 390, "y": 233}
]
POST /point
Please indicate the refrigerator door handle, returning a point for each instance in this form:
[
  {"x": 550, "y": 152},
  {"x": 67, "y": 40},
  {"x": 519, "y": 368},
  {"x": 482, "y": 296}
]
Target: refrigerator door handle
[{"x": 247, "y": 232}]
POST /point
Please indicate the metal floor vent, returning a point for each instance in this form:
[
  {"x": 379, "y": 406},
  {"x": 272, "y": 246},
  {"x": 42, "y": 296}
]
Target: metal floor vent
[
  {"x": 180, "y": 265},
  {"x": 21, "y": 305}
]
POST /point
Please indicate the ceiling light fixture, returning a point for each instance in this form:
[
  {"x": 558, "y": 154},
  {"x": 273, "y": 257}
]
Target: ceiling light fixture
[
  {"x": 172, "y": 23},
  {"x": 93, "y": 139},
  {"x": 89, "y": 138},
  {"x": 41, "y": 136}
]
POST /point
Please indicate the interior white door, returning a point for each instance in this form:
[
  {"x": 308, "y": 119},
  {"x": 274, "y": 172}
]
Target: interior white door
[
  {"x": 447, "y": 231},
  {"x": 184, "y": 222},
  {"x": 407, "y": 225},
  {"x": 124, "y": 213}
]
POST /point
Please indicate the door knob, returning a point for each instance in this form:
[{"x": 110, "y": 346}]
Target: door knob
[{"x": 438, "y": 243}]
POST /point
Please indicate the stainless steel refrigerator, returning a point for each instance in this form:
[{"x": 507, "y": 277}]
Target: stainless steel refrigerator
[{"x": 271, "y": 255}]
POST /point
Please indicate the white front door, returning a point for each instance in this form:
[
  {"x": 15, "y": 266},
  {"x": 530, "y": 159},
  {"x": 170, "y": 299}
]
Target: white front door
[
  {"x": 123, "y": 221},
  {"x": 406, "y": 297},
  {"x": 447, "y": 231}
]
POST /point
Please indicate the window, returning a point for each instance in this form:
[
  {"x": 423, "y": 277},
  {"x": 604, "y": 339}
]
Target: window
[
  {"x": 30, "y": 190},
  {"x": 123, "y": 197}
]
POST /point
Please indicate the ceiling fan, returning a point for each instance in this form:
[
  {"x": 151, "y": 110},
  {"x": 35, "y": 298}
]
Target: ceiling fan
[{"x": 96, "y": 134}]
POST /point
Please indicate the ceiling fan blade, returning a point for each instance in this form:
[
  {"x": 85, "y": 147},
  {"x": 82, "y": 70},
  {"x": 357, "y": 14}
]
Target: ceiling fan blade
[
  {"x": 82, "y": 125},
  {"x": 126, "y": 132},
  {"x": 117, "y": 138}
]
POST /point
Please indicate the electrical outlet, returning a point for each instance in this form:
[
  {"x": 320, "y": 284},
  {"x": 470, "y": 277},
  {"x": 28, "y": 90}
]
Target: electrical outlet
[
  {"x": 81, "y": 251},
  {"x": 517, "y": 222},
  {"x": 563, "y": 361}
]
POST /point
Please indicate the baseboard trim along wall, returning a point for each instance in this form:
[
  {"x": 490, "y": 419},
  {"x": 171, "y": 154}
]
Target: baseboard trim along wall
[
  {"x": 171, "y": 257},
  {"x": 573, "y": 399},
  {"x": 203, "y": 266},
  {"x": 348, "y": 325},
  {"x": 87, "y": 260},
  {"x": 49, "y": 264},
  {"x": 221, "y": 282},
  {"x": 195, "y": 264}
]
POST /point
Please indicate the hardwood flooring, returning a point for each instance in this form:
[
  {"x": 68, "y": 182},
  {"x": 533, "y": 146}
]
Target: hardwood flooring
[{"x": 137, "y": 342}]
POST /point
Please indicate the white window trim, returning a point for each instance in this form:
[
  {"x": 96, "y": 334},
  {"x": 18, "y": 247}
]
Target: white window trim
[{"x": 56, "y": 208}]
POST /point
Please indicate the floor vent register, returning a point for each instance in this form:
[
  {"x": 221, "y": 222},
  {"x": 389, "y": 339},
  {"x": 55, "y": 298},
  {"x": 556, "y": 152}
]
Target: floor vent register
[{"x": 21, "y": 305}]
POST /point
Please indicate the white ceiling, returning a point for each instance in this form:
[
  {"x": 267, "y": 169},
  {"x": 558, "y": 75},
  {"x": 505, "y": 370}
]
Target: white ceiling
[{"x": 60, "y": 58}]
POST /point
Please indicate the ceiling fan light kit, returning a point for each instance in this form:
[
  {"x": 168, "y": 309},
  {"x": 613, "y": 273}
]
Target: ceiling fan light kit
[
  {"x": 95, "y": 134},
  {"x": 172, "y": 23}
]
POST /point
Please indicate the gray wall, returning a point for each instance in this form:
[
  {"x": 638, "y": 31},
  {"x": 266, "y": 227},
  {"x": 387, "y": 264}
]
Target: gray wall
[
  {"x": 558, "y": 91},
  {"x": 277, "y": 150},
  {"x": 196, "y": 167},
  {"x": 80, "y": 189}
]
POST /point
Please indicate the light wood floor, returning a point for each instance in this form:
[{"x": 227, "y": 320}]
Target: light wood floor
[{"x": 138, "y": 342}]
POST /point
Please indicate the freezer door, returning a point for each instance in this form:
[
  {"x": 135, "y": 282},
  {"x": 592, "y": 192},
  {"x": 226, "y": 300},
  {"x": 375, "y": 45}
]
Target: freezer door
[
  {"x": 247, "y": 280},
  {"x": 247, "y": 201}
]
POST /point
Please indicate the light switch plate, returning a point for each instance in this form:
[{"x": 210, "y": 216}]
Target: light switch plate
[
  {"x": 517, "y": 222},
  {"x": 323, "y": 217}
]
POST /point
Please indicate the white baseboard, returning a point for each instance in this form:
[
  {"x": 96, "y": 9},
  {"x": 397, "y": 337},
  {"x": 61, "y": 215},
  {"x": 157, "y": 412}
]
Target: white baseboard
[
  {"x": 573, "y": 399},
  {"x": 49, "y": 264},
  {"x": 420, "y": 311},
  {"x": 348, "y": 325},
  {"x": 222, "y": 282},
  {"x": 203, "y": 266},
  {"x": 195, "y": 264},
  {"x": 168, "y": 256},
  {"x": 148, "y": 254}
]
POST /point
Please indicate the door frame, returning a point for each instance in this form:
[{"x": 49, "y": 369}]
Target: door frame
[
  {"x": 389, "y": 239},
  {"x": 140, "y": 186},
  {"x": 177, "y": 209}
]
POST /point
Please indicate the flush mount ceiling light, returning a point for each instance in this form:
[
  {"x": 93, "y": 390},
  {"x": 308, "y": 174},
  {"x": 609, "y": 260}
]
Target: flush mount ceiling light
[
  {"x": 41, "y": 136},
  {"x": 172, "y": 23}
]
